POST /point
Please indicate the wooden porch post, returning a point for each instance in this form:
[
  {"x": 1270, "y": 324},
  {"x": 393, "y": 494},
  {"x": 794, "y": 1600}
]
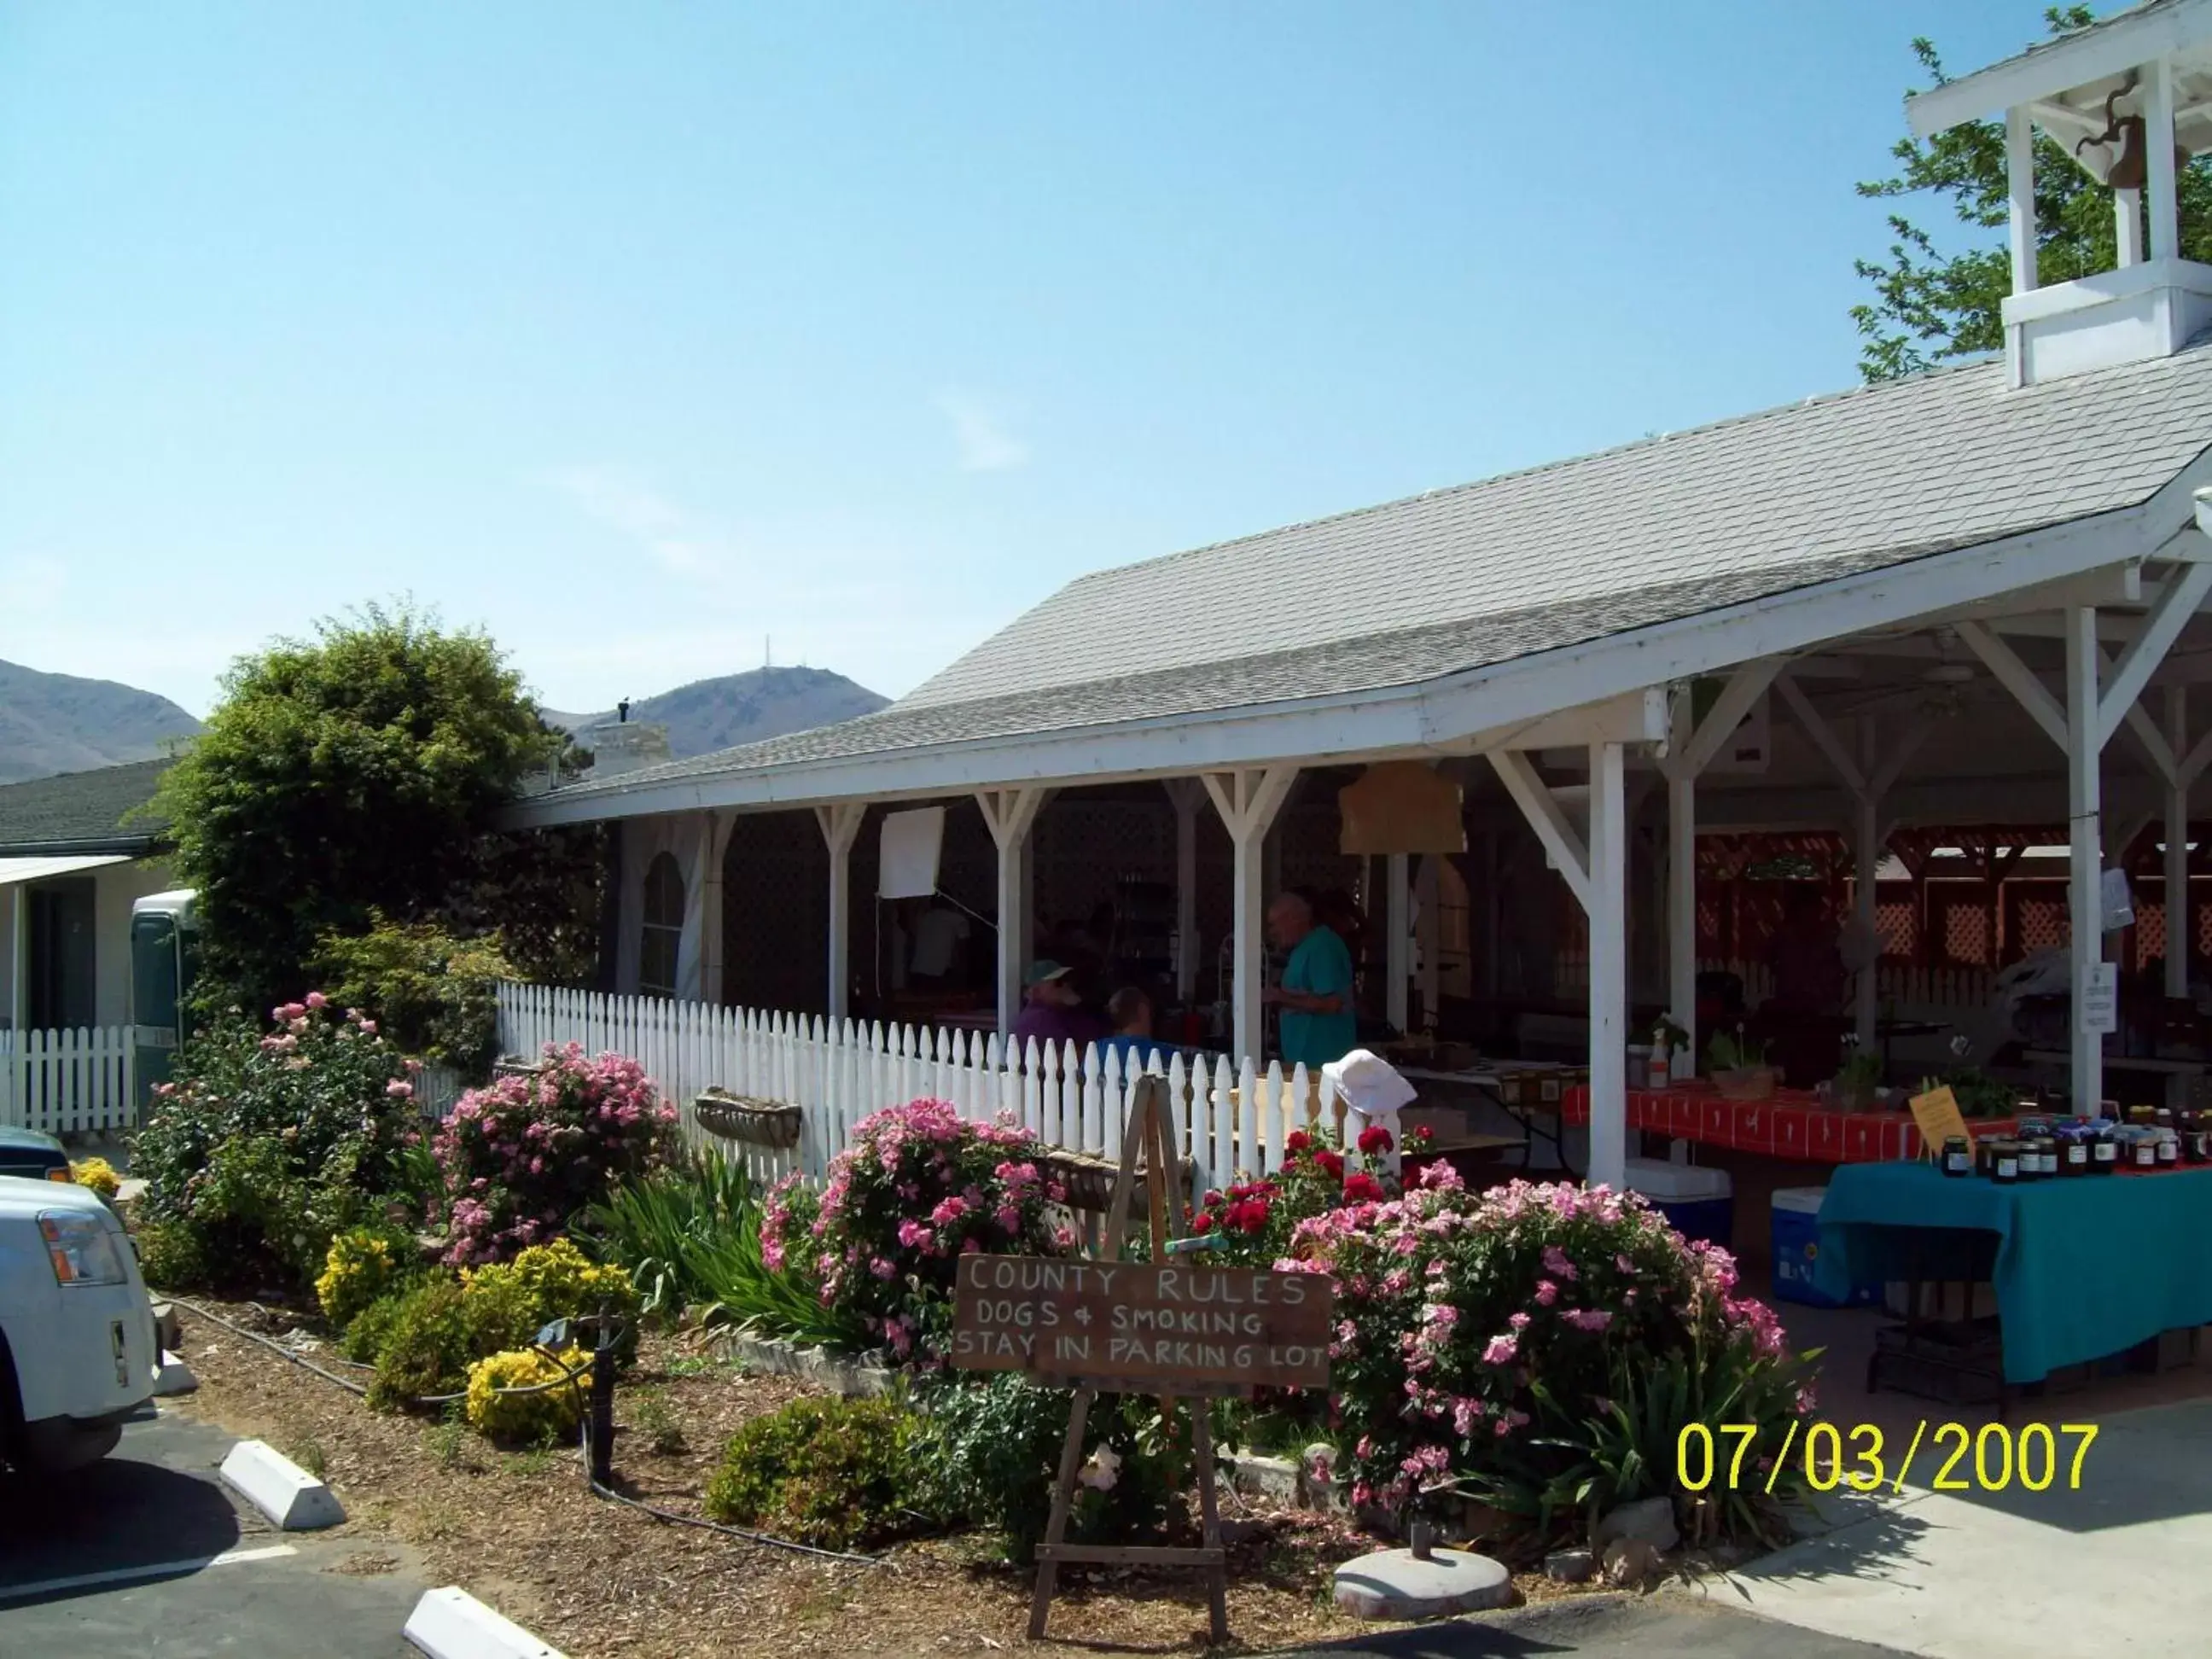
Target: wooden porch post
[
  {"x": 1608, "y": 967},
  {"x": 2085, "y": 868},
  {"x": 1682, "y": 918},
  {"x": 2176, "y": 846},
  {"x": 1010, "y": 814},
  {"x": 1397, "y": 957},
  {"x": 840, "y": 824},
  {"x": 1247, "y": 800}
]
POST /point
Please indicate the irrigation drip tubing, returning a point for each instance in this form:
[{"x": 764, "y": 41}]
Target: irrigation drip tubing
[{"x": 673, "y": 1516}]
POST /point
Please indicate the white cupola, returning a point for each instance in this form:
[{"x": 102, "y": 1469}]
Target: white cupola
[{"x": 2130, "y": 99}]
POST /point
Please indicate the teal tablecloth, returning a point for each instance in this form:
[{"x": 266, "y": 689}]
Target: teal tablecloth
[{"x": 2086, "y": 1265}]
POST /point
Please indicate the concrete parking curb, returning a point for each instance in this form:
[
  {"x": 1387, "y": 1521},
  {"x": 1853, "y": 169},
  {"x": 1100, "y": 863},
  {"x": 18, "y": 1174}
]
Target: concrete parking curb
[
  {"x": 175, "y": 1377},
  {"x": 452, "y": 1624},
  {"x": 292, "y": 1498}
]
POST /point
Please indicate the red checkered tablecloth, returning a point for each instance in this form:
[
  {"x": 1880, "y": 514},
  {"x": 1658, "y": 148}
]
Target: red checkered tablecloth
[{"x": 1790, "y": 1126}]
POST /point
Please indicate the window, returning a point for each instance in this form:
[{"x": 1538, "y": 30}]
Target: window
[{"x": 663, "y": 930}]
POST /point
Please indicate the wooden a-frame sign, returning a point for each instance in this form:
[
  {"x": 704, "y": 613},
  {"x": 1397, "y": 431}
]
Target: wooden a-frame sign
[{"x": 1146, "y": 1129}]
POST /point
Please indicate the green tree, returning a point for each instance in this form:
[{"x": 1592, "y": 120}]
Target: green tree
[
  {"x": 1931, "y": 305},
  {"x": 356, "y": 773}
]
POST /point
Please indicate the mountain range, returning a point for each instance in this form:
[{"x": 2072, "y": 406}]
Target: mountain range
[
  {"x": 734, "y": 708},
  {"x": 53, "y": 723}
]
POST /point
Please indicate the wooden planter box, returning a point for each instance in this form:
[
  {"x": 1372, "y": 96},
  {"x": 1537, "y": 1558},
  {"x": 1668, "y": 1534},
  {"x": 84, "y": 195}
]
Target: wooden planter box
[
  {"x": 516, "y": 1065},
  {"x": 758, "y": 1123}
]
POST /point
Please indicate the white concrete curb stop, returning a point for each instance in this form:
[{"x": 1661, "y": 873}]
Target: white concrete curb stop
[
  {"x": 291, "y": 1497},
  {"x": 452, "y": 1624},
  {"x": 174, "y": 1377}
]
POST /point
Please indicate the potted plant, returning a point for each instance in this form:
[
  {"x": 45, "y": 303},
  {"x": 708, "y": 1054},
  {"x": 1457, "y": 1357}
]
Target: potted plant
[
  {"x": 1857, "y": 1081},
  {"x": 1740, "y": 1067}
]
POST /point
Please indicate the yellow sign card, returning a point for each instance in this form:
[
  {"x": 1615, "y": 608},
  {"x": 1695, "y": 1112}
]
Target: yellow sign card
[{"x": 1937, "y": 1114}]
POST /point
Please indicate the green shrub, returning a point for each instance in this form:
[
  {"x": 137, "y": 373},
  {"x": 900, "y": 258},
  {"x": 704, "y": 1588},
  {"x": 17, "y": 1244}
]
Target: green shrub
[
  {"x": 170, "y": 1256},
  {"x": 426, "y": 1347},
  {"x": 825, "y": 1471},
  {"x": 990, "y": 1451},
  {"x": 433, "y": 992},
  {"x": 267, "y": 1146},
  {"x": 536, "y": 1418},
  {"x": 365, "y": 1336}
]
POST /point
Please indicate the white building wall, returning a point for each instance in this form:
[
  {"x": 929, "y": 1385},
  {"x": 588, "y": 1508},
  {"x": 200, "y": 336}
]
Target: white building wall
[{"x": 116, "y": 887}]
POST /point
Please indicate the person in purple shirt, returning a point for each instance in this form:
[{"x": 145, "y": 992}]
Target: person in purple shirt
[{"x": 1052, "y": 1008}]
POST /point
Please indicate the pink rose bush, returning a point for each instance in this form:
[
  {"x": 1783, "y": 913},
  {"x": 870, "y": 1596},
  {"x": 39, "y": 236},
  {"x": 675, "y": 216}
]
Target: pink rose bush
[
  {"x": 1539, "y": 1348},
  {"x": 919, "y": 1187},
  {"x": 526, "y": 1154}
]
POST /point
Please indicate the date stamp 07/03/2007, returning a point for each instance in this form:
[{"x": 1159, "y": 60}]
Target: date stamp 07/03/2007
[{"x": 1991, "y": 1458}]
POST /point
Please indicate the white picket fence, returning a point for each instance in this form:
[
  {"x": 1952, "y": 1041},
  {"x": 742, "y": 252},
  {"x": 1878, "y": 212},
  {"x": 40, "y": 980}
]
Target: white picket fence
[
  {"x": 64, "y": 1080},
  {"x": 1228, "y": 1118}
]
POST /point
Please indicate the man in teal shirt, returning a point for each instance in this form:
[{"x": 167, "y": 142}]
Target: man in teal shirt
[{"x": 1315, "y": 994}]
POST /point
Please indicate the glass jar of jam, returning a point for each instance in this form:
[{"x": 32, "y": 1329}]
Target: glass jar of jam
[
  {"x": 2047, "y": 1156},
  {"x": 2104, "y": 1148},
  {"x": 2074, "y": 1141},
  {"x": 2143, "y": 1115},
  {"x": 2169, "y": 1149},
  {"x": 1958, "y": 1156},
  {"x": 2004, "y": 1162},
  {"x": 2144, "y": 1149}
]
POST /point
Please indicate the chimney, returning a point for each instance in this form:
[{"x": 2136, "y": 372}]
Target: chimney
[{"x": 625, "y": 745}]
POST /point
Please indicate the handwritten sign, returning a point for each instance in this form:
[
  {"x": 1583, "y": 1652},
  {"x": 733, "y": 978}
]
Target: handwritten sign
[
  {"x": 1168, "y": 1323},
  {"x": 1939, "y": 1119}
]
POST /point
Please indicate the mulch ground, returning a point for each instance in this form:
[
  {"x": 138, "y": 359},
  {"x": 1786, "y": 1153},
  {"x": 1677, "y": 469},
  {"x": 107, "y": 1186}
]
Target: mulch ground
[{"x": 594, "y": 1578}]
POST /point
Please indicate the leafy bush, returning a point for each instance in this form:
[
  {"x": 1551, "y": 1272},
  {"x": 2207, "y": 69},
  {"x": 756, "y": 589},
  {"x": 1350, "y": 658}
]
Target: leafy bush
[
  {"x": 170, "y": 1256},
  {"x": 919, "y": 1187},
  {"x": 690, "y": 1236},
  {"x": 428, "y": 1346},
  {"x": 264, "y": 1146},
  {"x": 824, "y": 1471},
  {"x": 433, "y": 992},
  {"x": 991, "y": 1451},
  {"x": 547, "y": 1282},
  {"x": 525, "y": 1155},
  {"x": 98, "y": 1175},
  {"x": 548, "y": 1415},
  {"x": 362, "y": 770},
  {"x": 365, "y": 1336},
  {"x": 363, "y": 1265},
  {"x": 1255, "y": 1219},
  {"x": 1515, "y": 1347}
]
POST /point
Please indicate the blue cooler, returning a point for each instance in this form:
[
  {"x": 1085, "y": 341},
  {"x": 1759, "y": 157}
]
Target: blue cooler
[
  {"x": 1698, "y": 1203},
  {"x": 1797, "y": 1244}
]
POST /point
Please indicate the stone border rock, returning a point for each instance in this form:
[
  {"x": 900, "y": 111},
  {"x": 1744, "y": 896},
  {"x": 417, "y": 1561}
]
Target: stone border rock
[
  {"x": 293, "y": 1499},
  {"x": 850, "y": 1377},
  {"x": 452, "y": 1624}
]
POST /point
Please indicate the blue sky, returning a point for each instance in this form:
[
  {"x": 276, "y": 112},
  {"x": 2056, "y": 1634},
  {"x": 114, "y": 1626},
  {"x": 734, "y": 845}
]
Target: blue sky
[{"x": 637, "y": 333}]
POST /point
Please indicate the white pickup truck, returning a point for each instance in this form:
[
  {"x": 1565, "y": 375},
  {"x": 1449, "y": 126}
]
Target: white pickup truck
[{"x": 77, "y": 1348}]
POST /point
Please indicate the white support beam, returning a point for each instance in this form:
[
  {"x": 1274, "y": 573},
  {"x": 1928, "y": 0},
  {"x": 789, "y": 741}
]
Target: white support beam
[
  {"x": 2020, "y": 195},
  {"x": 2158, "y": 135},
  {"x": 840, "y": 823},
  {"x": 1743, "y": 691},
  {"x": 1428, "y": 932},
  {"x": 1901, "y": 752},
  {"x": 2017, "y": 678},
  {"x": 1608, "y": 969},
  {"x": 2084, "y": 867},
  {"x": 1636, "y": 717},
  {"x": 1188, "y": 795},
  {"x": 1247, "y": 800},
  {"x": 712, "y": 847},
  {"x": 1866, "y": 846},
  {"x": 2128, "y": 226},
  {"x": 2179, "y": 912},
  {"x": 1562, "y": 843},
  {"x": 1822, "y": 734},
  {"x": 1682, "y": 909},
  {"x": 1397, "y": 953},
  {"x": 1010, "y": 814},
  {"x": 2175, "y": 607}
]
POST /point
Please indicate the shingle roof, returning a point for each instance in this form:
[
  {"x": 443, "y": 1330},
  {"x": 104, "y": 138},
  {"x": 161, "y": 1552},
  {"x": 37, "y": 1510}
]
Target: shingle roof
[
  {"x": 1530, "y": 562},
  {"x": 82, "y": 809}
]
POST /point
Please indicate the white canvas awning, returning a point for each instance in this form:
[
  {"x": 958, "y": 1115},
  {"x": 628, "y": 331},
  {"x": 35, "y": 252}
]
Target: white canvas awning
[{"x": 13, "y": 870}]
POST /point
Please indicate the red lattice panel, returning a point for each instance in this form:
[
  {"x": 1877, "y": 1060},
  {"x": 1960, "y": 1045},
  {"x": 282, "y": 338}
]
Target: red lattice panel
[
  {"x": 2038, "y": 924},
  {"x": 1966, "y": 933},
  {"x": 1898, "y": 922}
]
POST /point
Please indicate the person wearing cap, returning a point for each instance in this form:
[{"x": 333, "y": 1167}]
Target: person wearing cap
[
  {"x": 1318, "y": 1025},
  {"x": 1052, "y": 1008}
]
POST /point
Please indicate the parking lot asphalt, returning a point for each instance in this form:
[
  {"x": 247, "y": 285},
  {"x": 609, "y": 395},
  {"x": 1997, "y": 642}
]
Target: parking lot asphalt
[{"x": 147, "y": 1553}]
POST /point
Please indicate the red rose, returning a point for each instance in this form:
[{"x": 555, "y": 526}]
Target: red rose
[
  {"x": 1375, "y": 1138},
  {"x": 1296, "y": 1142},
  {"x": 1359, "y": 1187},
  {"x": 1332, "y": 1163},
  {"x": 1251, "y": 1215},
  {"x": 1202, "y": 1222},
  {"x": 1213, "y": 1199}
]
